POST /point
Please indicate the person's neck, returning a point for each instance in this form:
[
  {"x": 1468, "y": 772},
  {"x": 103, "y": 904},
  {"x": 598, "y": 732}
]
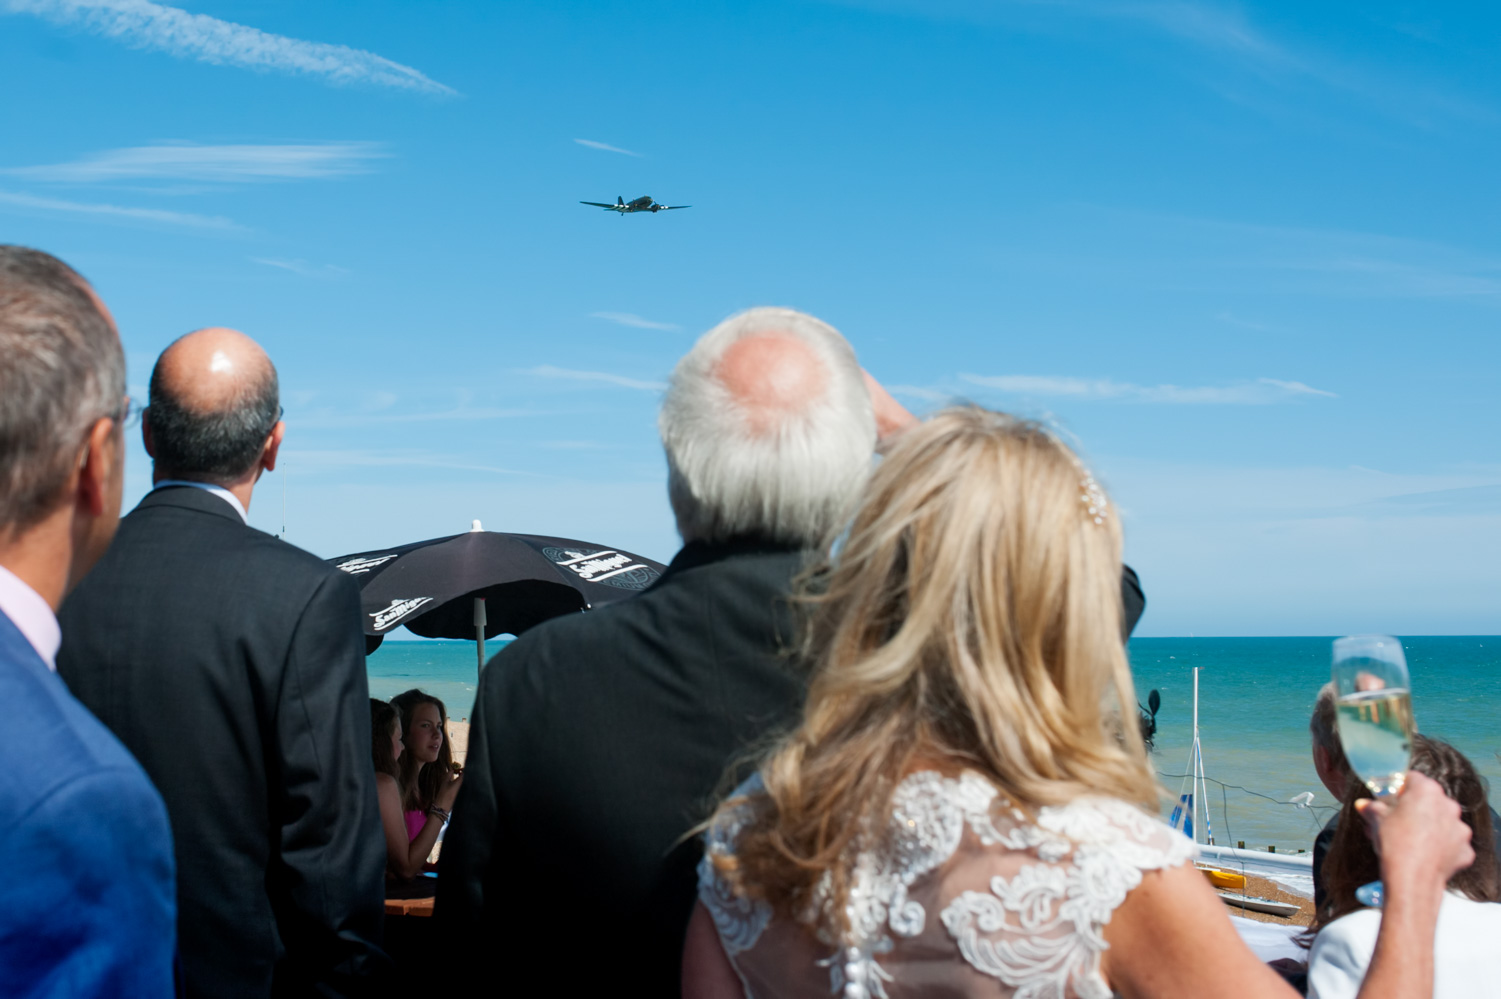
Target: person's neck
[
  {"x": 240, "y": 488},
  {"x": 42, "y": 557}
]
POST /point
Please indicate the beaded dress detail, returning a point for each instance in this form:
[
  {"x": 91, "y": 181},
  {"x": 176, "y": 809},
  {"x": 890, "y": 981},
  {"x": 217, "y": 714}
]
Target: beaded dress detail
[{"x": 966, "y": 896}]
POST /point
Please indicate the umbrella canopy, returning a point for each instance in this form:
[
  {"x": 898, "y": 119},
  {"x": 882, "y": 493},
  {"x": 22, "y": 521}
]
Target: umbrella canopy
[{"x": 523, "y": 579}]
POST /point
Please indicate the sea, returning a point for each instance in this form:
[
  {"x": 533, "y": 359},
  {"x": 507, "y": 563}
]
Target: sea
[{"x": 1255, "y": 697}]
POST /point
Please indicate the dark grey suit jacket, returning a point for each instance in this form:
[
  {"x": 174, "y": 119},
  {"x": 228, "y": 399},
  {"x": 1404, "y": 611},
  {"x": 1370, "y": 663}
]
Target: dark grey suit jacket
[
  {"x": 598, "y": 742},
  {"x": 232, "y": 665}
]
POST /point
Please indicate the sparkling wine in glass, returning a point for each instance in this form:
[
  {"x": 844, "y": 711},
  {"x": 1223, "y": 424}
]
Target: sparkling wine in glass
[{"x": 1374, "y": 709}]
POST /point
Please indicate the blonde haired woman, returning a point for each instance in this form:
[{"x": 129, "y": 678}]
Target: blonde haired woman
[{"x": 963, "y": 811}]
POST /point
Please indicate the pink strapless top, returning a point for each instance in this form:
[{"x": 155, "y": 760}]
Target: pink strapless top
[{"x": 415, "y": 821}]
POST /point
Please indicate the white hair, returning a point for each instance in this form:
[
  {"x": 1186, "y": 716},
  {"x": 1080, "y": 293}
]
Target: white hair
[{"x": 792, "y": 482}]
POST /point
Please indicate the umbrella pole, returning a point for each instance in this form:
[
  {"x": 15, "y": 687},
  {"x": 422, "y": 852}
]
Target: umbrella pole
[{"x": 479, "y": 630}]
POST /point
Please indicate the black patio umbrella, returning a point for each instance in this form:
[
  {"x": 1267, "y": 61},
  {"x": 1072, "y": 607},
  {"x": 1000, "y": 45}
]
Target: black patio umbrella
[{"x": 482, "y": 583}]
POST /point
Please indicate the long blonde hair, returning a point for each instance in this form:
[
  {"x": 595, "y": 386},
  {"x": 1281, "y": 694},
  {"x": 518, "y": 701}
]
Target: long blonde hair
[{"x": 970, "y": 619}]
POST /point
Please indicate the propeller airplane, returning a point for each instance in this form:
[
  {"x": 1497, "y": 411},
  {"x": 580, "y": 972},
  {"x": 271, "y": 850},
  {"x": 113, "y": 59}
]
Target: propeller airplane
[{"x": 641, "y": 204}]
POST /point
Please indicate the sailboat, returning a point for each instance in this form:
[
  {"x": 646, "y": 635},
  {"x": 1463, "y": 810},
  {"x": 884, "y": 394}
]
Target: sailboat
[{"x": 1193, "y": 801}]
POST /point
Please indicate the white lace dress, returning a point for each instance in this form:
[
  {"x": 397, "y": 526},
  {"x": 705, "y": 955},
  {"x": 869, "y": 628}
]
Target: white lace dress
[{"x": 969, "y": 897}]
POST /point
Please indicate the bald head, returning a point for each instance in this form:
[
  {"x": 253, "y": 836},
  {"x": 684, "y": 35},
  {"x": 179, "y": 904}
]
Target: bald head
[
  {"x": 768, "y": 429},
  {"x": 771, "y": 376},
  {"x": 212, "y": 369},
  {"x": 214, "y": 402}
]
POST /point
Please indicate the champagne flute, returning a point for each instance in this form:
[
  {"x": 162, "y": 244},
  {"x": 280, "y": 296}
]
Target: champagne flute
[{"x": 1374, "y": 710}]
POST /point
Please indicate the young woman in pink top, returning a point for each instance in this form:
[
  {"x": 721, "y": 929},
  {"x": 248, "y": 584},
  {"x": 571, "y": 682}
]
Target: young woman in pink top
[{"x": 416, "y": 780}]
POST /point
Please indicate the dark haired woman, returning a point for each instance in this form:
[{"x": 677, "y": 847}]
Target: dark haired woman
[
  {"x": 406, "y": 853},
  {"x": 427, "y": 778},
  {"x": 1466, "y": 961}
]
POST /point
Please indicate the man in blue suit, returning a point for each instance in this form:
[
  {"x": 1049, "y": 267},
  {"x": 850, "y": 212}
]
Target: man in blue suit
[{"x": 87, "y": 902}]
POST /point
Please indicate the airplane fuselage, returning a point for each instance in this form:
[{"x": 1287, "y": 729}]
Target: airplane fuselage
[{"x": 641, "y": 204}]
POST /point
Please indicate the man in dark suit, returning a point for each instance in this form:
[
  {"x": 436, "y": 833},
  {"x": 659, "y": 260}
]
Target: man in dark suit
[
  {"x": 598, "y": 741},
  {"x": 87, "y": 906},
  {"x": 232, "y": 665}
]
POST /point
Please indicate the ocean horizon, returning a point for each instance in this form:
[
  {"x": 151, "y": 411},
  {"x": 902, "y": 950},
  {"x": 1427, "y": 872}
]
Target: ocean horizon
[{"x": 1255, "y": 697}]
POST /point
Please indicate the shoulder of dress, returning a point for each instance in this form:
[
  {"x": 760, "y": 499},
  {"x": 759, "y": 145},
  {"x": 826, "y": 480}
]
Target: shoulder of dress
[
  {"x": 1347, "y": 943},
  {"x": 738, "y": 920},
  {"x": 1468, "y": 912},
  {"x": 724, "y": 828},
  {"x": 1101, "y": 824}
]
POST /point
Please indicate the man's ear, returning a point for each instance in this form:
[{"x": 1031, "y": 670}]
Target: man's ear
[
  {"x": 273, "y": 446},
  {"x": 96, "y": 467},
  {"x": 146, "y": 437}
]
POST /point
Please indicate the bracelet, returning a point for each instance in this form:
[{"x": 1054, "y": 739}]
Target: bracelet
[{"x": 435, "y": 810}]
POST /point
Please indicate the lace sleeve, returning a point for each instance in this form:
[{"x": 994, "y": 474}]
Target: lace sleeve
[
  {"x": 738, "y": 920},
  {"x": 1040, "y": 927},
  {"x": 1131, "y": 837}
]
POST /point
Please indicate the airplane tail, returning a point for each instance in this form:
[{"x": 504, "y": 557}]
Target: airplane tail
[{"x": 619, "y": 200}]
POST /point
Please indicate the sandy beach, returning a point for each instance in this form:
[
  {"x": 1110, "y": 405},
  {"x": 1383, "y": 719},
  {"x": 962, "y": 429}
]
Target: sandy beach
[{"x": 458, "y": 740}]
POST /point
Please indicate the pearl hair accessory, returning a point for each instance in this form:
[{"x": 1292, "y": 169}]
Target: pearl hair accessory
[
  {"x": 1096, "y": 505},
  {"x": 1093, "y": 498}
]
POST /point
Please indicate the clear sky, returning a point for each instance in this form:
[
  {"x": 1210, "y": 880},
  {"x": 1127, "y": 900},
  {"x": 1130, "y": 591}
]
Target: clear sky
[{"x": 1246, "y": 254}]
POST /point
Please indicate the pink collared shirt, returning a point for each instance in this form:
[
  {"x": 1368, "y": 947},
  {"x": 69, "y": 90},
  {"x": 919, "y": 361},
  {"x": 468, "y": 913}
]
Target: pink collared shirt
[{"x": 31, "y": 615}]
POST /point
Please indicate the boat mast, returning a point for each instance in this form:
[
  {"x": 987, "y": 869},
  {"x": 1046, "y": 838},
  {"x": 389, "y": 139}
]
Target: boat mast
[
  {"x": 1186, "y": 815},
  {"x": 1203, "y": 789}
]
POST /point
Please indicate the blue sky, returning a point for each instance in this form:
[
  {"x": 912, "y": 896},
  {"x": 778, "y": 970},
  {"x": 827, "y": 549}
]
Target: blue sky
[{"x": 1246, "y": 254}]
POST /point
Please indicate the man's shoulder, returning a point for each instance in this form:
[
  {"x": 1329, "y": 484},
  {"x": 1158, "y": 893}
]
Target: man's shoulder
[
  {"x": 53, "y": 743},
  {"x": 743, "y": 593},
  {"x": 162, "y": 526},
  {"x": 564, "y": 637},
  {"x": 79, "y": 818},
  {"x": 1353, "y": 933}
]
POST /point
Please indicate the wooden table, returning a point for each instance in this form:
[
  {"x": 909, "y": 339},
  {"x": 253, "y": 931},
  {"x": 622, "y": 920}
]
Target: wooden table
[{"x": 409, "y": 907}]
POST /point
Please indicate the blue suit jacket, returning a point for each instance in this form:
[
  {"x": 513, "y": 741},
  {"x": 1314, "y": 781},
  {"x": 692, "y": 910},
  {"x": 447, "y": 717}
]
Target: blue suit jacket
[{"x": 88, "y": 902}]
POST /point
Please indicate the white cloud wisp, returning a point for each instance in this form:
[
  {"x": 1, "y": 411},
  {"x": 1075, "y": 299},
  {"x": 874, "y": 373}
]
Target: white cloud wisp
[
  {"x": 149, "y": 215},
  {"x": 548, "y": 371},
  {"x": 146, "y": 25},
  {"x": 606, "y": 147},
  {"x": 1261, "y": 391},
  {"x": 633, "y": 320},
  {"x": 302, "y": 268},
  {"x": 224, "y": 164}
]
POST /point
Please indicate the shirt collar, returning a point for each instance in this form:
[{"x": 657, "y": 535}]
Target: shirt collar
[
  {"x": 208, "y": 487},
  {"x": 31, "y": 615}
]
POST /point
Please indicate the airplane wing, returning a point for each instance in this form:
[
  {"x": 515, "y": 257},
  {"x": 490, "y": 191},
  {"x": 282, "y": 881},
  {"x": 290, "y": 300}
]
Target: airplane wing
[
  {"x": 668, "y": 208},
  {"x": 596, "y": 204}
]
